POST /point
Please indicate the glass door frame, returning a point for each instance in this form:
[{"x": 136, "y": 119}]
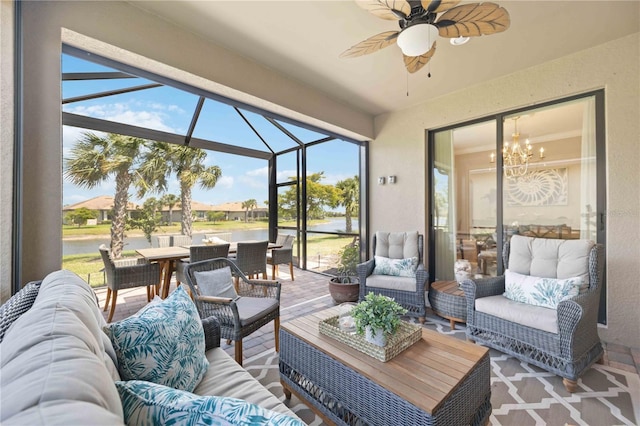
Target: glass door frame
[{"x": 600, "y": 136}]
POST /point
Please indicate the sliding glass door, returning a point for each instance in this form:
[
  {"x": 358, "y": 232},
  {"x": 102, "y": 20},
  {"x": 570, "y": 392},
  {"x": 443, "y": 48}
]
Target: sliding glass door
[{"x": 537, "y": 172}]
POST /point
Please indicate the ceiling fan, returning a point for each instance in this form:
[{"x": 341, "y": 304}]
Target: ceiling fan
[{"x": 420, "y": 24}]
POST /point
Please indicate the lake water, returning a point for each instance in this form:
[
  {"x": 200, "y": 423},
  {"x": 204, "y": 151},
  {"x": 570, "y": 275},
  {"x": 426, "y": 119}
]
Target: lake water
[{"x": 91, "y": 245}]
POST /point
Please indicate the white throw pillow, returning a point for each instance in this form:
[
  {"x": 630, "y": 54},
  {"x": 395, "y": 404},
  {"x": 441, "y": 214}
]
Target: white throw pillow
[
  {"x": 395, "y": 267},
  {"x": 545, "y": 292},
  {"x": 215, "y": 240},
  {"x": 217, "y": 282}
]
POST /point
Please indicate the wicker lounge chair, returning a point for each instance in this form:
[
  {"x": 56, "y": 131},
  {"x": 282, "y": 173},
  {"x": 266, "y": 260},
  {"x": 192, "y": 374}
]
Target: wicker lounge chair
[
  {"x": 407, "y": 291},
  {"x": 198, "y": 253},
  {"x": 281, "y": 255},
  {"x": 569, "y": 343},
  {"x": 258, "y": 303},
  {"x": 128, "y": 273}
]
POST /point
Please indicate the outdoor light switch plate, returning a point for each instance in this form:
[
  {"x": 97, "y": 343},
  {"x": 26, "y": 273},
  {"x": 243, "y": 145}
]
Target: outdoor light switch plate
[
  {"x": 381, "y": 180},
  {"x": 392, "y": 179}
]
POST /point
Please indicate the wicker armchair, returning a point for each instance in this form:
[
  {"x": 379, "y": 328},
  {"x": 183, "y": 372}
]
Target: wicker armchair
[
  {"x": 281, "y": 255},
  {"x": 258, "y": 303},
  {"x": 129, "y": 273},
  {"x": 569, "y": 343},
  {"x": 409, "y": 292},
  {"x": 198, "y": 253},
  {"x": 251, "y": 258}
]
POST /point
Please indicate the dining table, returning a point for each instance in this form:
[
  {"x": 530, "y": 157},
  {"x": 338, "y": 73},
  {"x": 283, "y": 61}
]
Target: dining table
[{"x": 166, "y": 258}]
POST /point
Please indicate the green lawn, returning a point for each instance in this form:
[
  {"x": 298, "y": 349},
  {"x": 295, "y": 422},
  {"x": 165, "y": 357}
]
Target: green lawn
[{"x": 198, "y": 227}]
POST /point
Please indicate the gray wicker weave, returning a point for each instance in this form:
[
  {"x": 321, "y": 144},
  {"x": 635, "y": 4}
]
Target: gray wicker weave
[
  {"x": 345, "y": 397},
  {"x": 251, "y": 258},
  {"x": 449, "y": 305},
  {"x": 180, "y": 240},
  {"x": 161, "y": 241},
  {"x": 568, "y": 353},
  {"x": 238, "y": 317},
  {"x": 198, "y": 253},
  {"x": 281, "y": 255},
  {"x": 414, "y": 302},
  {"x": 120, "y": 277}
]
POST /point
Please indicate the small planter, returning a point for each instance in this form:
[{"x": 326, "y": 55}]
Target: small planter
[
  {"x": 344, "y": 289},
  {"x": 378, "y": 339}
]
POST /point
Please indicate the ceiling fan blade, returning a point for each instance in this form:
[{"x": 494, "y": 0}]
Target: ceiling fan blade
[
  {"x": 473, "y": 19},
  {"x": 386, "y": 9},
  {"x": 438, "y": 6},
  {"x": 372, "y": 44},
  {"x": 415, "y": 63}
]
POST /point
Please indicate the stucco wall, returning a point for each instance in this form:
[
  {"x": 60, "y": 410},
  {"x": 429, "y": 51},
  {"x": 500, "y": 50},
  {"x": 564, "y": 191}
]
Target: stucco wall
[
  {"x": 400, "y": 148},
  {"x": 6, "y": 143}
]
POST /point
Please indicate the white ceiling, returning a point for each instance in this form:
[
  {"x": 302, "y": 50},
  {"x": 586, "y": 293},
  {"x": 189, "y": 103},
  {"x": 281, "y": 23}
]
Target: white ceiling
[{"x": 303, "y": 39}]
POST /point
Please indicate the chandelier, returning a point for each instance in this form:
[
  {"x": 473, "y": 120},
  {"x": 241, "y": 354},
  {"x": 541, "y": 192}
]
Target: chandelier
[{"x": 516, "y": 156}]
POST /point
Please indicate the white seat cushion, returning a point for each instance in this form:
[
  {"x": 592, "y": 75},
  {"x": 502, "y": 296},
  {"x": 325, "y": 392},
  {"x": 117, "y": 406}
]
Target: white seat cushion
[
  {"x": 531, "y": 316},
  {"x": 397, "y": 245},
  {"x": 548, "y": 258},
  {"x": 392, "y": 282}
]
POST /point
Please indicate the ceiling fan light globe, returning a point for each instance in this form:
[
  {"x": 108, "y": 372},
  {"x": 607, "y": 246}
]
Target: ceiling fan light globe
[{"x": 417, "y": 39}]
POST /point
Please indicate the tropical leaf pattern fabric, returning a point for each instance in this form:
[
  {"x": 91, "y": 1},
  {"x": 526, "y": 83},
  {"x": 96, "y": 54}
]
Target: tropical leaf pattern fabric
[
  {"x": 146, "y": 403},
  {"x": 395, "y": 267},
  {"x": 545, "y": 292},
  {"x": 163, "y": 343}
]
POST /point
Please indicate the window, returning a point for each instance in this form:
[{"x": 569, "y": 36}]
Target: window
[{"x": 534, "y": 172}]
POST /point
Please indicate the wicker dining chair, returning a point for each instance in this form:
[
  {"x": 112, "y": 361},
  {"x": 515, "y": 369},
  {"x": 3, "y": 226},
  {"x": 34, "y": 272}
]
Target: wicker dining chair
[
  {"x": 180, "y": 240},
  {"x": 257, "y": 303},
  {"x": 281, "y": 255},
  {"x": 129, "y": 273},
  {"x": 198, "y": 253},
  {"x": 251, "y": 258},
  {"x": 160, "y": 241}
]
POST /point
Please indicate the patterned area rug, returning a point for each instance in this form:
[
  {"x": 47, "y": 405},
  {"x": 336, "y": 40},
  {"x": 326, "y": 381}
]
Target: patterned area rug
[{"x": 521, "y": 393}]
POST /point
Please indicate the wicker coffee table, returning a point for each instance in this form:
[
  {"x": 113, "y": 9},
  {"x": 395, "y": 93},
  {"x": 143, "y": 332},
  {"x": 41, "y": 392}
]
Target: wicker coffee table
[
  {"x": 439, "y": 380},
  {"x": 447, "y": 300}
]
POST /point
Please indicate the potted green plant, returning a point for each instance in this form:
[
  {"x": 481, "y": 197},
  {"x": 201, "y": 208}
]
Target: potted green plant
[
  {"x": 346, "y": 287},
  {"x": 377, "y": 317}
]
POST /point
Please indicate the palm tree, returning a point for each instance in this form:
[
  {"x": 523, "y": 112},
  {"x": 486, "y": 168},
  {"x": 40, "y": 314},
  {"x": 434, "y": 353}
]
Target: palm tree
[
  {"x": 96, "y": 159},
  {"x": 249, "y": 205},
  {"x": 349, "y": 198},
  {"x": 188, "y": 165},
  {"x": 170, "y": 200}
]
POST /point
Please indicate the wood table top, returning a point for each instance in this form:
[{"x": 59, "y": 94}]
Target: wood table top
[
  {"x": 425, "y": 374},
  {"x": 164, "y": 253},
  {"x": 449, "y": 287}
]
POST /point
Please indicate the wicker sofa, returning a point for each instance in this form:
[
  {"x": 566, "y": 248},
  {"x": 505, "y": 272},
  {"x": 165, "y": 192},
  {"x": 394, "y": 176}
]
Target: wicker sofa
[
  {"x": 563, "y": 341},
  {"x": 59, "y": 366}
]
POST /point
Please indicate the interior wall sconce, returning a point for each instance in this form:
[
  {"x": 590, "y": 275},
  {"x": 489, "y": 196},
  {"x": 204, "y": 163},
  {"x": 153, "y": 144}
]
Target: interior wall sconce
[
  {"x": 392, "y": 179},
  {"x": 381, "y": 180}
]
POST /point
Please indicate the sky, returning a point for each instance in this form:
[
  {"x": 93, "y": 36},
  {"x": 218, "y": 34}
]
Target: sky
[{"x": 171, "y": 110}]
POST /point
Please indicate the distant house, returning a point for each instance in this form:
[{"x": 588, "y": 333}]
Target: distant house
[
  {"x": 103, "y": 204},
  {"x": 198, "y": 210},
  {"x": 234, "y": 211}
]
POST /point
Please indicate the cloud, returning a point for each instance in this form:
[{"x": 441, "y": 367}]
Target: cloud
[
  {"x": 225, "y": 182},
  {"x": 284, "y": 175},
  {"x": 123, "y": 113},
  {"x": 262, "y": 171}
]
